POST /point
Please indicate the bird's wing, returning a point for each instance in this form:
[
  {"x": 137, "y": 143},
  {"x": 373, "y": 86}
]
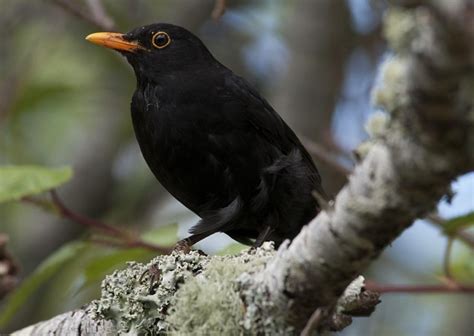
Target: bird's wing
[
  {"x": 252, "y": 140},
  {"x": 270, "y": 125}
]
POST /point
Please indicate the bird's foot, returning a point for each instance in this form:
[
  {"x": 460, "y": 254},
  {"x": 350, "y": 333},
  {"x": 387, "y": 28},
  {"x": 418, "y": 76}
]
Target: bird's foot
[
  {"x": 154, "y": 274},
  {"x": 323, "y": 202},
  {"x": 183, "y": 246},
  {"x": 263, "y": 236}
]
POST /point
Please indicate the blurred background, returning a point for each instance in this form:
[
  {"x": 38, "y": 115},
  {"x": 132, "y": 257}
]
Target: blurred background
[{"x": 64, "y": 101}]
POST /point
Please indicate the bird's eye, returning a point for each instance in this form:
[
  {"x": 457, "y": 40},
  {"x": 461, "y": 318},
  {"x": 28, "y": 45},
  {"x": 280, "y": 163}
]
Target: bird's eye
[{"x": 161, "y": 40}]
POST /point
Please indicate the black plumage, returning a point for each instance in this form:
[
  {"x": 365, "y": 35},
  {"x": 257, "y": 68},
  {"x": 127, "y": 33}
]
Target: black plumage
[{"x": 213, "y": 142}]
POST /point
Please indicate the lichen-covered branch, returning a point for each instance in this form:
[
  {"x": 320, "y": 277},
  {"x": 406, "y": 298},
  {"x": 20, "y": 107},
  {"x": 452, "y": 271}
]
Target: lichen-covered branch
[
  {"x": 427, "y": 88},
  {"x": 71, "y": 323},
  {"x": 426, "y": 141},
  {"x": 184, "y": 294}
]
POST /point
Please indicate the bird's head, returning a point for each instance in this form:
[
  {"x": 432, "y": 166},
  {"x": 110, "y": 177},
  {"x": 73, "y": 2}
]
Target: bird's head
[{"x": 157, "y": 49}]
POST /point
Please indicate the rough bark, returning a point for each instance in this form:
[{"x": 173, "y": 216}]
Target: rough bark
[
  {"x": 70, "y": 323},
  {"x": 427, "y": 89},
  {"x": 188, "y": 290}
]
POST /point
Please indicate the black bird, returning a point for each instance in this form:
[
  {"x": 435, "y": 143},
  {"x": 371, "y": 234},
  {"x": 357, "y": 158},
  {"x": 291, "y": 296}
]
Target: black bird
[{"x": 213, "y": 142}]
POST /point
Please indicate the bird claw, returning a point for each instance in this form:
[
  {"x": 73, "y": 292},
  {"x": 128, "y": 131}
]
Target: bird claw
[
  {"x": 154, "y": 273},
  {"x": 263, "y": 236},
  {"x": 324, "y": 204},
  {"x": 182, "y": 246}
]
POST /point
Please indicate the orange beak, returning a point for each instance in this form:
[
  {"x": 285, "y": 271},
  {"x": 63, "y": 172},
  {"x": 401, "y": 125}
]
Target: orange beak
[{"x": 114, "y": 41}]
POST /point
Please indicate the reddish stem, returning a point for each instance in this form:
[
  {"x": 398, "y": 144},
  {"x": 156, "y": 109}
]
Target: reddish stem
[
  {"x": 74, "y": 9},
  {"x": 324, "y": 155},
  {"x": 65, "y": 212},
  {"x": 121, "y": 238},
  {"x": 219, "y": 9},
  {"x": 419, "y": 289}
]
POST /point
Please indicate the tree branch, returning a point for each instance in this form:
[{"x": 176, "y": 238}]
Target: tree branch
[
  {"x": 463, "y": 236},
  {"x": 219, "y": 9},
  {"x": 98, "y": 11},
  {"x": 324, "y": 155},
  {"x": 71, "y": 323},
  {"x": 313, "y": 323},
  {"x": 97, "y": 17}
]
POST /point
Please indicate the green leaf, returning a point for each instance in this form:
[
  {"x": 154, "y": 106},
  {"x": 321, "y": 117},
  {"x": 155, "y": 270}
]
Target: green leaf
[
  {"x": 20, "y": 181},
  {"x": 165, "y": 235},
  {"x": 463, "y": 267},
  {"x": 458, "y": 223},
  {"x": 42, "y": 274}
]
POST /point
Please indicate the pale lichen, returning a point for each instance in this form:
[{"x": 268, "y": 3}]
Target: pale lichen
[
  {"x": 193, "y": 293},
  {"x": 400, "y": 28},
  {"x": 391, "y": 92},
  {"x": 216, "y": 287},
  {"x": 376, "y": 125},
  {"x": 126, "y": 297}
]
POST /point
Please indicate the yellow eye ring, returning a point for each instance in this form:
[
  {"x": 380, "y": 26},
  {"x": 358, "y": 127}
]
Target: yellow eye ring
[{"x": 160, "y": 40}]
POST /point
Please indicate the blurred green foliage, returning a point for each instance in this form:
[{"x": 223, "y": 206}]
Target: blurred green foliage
[
  {"x": 20, "y": 181},
  {"x": 455, "y": 224}
]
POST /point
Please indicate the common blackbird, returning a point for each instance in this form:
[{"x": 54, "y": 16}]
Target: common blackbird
[{"x": 213, "y": 142}]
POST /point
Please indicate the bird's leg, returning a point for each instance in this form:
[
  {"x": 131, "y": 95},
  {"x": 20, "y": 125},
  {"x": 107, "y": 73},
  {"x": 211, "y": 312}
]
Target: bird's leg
[
  {"x": 184, "y": 245},
  {"x": 262, "y": 236}
]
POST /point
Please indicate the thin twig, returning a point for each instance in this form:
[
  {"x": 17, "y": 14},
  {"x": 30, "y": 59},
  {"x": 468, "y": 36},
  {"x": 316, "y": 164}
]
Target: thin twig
[
  {"x": 97, "y": 9},
  {"x": 450, "y": 287},
  {"x": 79, "y": 12},
  {"x": 65, "y": 212},
  {"x": 313, "y": 323},
  {"x": 324, "y": 155},
  {"x": 114, "y": 235},
  {"x": 40, "y": 203},
  {"x": 107, "y": 242},
  {"x": 334, "y": 147},
  {"x": 219, "y": 9},
  {"x": 463, "y": 236}
]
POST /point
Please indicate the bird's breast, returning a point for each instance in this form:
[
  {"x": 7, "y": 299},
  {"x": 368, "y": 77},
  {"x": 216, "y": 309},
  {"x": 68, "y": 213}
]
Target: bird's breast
[{"x": 174, "y": 140}]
